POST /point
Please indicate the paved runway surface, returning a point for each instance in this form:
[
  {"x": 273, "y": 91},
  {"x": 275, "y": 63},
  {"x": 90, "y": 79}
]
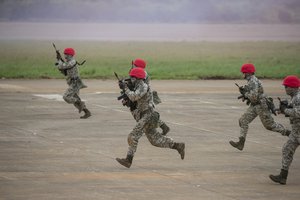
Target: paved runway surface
[{"x": 47, "y": 152}]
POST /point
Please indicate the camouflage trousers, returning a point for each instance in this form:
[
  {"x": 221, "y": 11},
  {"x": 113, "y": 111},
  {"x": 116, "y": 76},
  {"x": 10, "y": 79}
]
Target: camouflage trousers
[
  {"x": 160, "y": 122},
  {"x": 71, "y": 95},
  {"x": 290, "y": 147},
  {"x": 264, "y": 114},
  {"x": 147, "y": 124}
]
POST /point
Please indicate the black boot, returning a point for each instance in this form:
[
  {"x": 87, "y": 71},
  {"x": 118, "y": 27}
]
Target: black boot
[
  {"x": 239, "y": 145},
  {"x": 281, "y": 178},
  {"x": 165, "y": 129},
  {"x": 87, "y": 113},
  {"x": 125, "y": 161},
  {"x": 180, "y": 147}
]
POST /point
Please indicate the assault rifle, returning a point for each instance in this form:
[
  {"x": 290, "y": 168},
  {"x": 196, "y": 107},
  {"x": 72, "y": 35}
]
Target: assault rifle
[
  {"x": 243, "y": 90},
  {"x": 125, "y": 99},
  {"x": 271, "y": 106},
  {"x": 59, "y": 57},
  {"x": 285, "y": 104}
]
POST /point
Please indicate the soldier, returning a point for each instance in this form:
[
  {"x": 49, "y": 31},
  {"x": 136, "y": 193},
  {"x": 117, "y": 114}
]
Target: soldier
[
  {"x": 259, "y": 106},
  {"x": 156, "y": 100},
  {"x": 146, "y": 118},
  {"x": 291, "y": 84},
  {"x": 70, "y": 70}
]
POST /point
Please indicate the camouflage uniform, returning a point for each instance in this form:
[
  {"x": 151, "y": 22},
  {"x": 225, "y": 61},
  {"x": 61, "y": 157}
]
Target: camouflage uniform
[
  {"x": 258, "y": 107},
  {"x": 71, "y": 95},
  {"x": 293, "y": 142},
  {"x": 147, "y": 119},
  {"x": 292, "y": 111}
]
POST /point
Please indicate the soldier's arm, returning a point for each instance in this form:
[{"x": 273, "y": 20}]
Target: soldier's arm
[
  {"x": 66, "y": 65},
  {"x": 295, "y": 111},
  {"x": 138, "y": 93}
]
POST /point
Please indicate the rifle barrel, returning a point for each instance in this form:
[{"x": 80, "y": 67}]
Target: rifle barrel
[{"x": 117, "y": 76}]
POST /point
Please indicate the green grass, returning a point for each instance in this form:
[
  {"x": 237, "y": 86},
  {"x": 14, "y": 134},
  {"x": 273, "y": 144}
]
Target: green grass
[{"x": 166, "y": 60}]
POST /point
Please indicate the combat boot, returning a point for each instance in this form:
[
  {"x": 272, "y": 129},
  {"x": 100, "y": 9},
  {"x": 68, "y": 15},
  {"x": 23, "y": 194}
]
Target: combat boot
[
  {"x": 87, "y": 113},
  {"x": 239, "y": 145},
  {"x": 281, "y": 178},
  {"x": 180, "y": 148},
  {"x": 165, "y": 129},
  {"x": 125, "y": 161}
]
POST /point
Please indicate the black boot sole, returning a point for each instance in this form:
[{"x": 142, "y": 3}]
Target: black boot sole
[
  {"x": 274, "y": 179},
  {"x": 232, "y": 143},
  {"x": 122, "y": 162}
]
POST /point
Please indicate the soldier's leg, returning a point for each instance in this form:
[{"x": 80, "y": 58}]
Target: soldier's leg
[
  {"x": 288, "y": 152},
  {"x": 159, "y": 140},
  {"x": 244, "y": 122},
  {"x": 268, "y": 121},
  {"x": 69, "y": 95},
  {"x": 133, "y": 139},
  {"x": 82, "y": 107},
  {"x": 165, "y": 129},
  {"x": 154, "y": 137},
  {"x": 246, "y": 119}
]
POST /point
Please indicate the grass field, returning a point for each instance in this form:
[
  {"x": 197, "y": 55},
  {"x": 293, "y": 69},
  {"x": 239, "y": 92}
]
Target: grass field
[{"x": 166, "y": 60}]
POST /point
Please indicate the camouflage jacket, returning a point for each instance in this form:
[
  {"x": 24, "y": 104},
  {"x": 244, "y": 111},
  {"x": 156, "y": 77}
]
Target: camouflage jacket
[
  {"x": 71, "y": 68},
  {"x": 294, "y": 112},
  {"x": 142, "y": 95},
  {"x": 255, "y": 91}
]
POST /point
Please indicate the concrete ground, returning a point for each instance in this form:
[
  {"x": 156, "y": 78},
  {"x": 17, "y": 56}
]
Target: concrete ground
[{"x": 47, "y": 152}]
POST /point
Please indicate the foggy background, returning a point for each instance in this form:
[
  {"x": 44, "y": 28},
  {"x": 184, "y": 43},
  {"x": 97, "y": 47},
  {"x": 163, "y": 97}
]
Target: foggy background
[
  {"x": 152, "y": 11},
  {"x": 150, "y": 20}
]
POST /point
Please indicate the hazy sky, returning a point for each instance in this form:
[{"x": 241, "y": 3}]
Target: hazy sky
[{"x": 152, "y": 11}]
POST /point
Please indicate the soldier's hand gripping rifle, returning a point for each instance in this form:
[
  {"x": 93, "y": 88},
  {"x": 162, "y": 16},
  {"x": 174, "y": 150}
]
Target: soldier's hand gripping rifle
[
  {"x": 283, "y": 104},
  {"x": 125, "y": 99},
  {"x": 243, "y": 91},
  {"x": 59, "y": 58}
]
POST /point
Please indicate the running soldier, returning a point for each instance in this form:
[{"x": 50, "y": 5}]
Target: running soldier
[
  {"x": 260, "y": 105},
  {"x": 292, "y": 110},
  {"x": 70, "y": 70},
  {"x": 156, "y": 100},
  {"x": 146, "y": 118}
]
